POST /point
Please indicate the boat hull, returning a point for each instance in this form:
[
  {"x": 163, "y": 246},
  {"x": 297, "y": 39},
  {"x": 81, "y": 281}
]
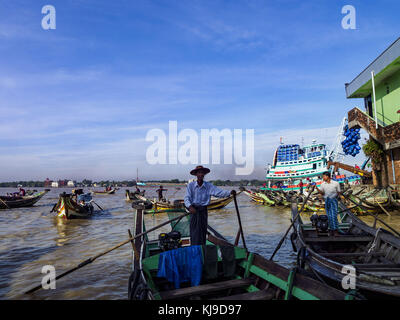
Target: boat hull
[
  {"x": 66, "y": 208},
  {"x": 27, "y": 201},
  {"x": 329, "y": 256}
]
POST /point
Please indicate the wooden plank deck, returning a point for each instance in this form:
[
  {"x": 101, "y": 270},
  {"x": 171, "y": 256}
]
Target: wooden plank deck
[
  {"x": 340, "y": 239},
  {"x": 350, "y": 254},
  {"x": 204, "y": 289},
  {"x": 256, "y": 295}
]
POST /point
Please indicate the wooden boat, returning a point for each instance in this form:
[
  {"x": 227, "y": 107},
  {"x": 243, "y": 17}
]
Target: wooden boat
[
  {"x": 374, "y": 253},
  {"x": 376, "y": 199},
  {"x": 7, "y": 202},
  {"x": 167, "y": 206},
  {"x": 179, "y": 204},
  {"x": 267, "y": 200},
  {"x": 254, "y": 196},
  {"x": 363, "y": 205},
  {"x": 278, "y": 197},
  {"x": 216, "y": 204},
  {"x": 68, "y": 208},
  {"x": 105, "y": 192},
  {"x": 246, "y": 276},
  {"x": 132, "y": 196}
]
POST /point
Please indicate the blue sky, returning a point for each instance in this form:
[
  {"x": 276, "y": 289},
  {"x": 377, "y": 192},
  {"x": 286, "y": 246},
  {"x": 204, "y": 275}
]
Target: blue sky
[{"x": 77, "y": 101}]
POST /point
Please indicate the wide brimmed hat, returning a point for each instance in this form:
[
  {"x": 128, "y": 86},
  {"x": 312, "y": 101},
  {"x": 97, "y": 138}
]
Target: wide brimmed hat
[{"x": 194, "y": 171}]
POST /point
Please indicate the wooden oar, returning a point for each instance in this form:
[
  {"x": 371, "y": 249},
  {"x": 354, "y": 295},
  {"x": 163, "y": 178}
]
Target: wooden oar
[
  {"x": 98, "y": 206},
  {"x": 291, "y": 225},
  {"x": 4, "y": 203},
  {"x": 383, "y": 209},
  {"x": 216, "y": 232},
  {"x": 90, "y": 260},
  {"x": 240, "y": 221}
]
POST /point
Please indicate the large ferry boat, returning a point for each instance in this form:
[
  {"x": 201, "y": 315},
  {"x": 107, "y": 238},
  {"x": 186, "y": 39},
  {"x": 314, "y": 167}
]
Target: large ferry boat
[{"x": 293, "y": 164}]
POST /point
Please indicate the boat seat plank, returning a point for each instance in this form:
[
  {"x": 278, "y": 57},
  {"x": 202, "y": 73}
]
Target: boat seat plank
[
  {"x": 340, "y": 239},
  {"x": 205, "y": 289},
  {"x": 376, "y": 265},
  {"x": 256, "y": 295},
  {"x": 350, "y": 254}
]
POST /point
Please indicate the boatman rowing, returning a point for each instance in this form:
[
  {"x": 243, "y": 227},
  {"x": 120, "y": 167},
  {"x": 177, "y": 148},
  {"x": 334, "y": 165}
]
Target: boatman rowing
[
  {"x": 330, "y": 189},
  {"x": 197, "y": 198}
]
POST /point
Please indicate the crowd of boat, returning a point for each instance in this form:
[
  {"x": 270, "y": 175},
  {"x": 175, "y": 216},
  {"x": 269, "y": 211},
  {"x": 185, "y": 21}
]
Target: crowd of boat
[{"x": 237, "y": 273}]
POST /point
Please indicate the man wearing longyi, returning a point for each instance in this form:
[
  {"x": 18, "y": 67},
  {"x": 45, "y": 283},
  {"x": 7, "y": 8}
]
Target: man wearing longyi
[
  {"x": 198, "y": 194},
  {"x": 330, "y": 189}
]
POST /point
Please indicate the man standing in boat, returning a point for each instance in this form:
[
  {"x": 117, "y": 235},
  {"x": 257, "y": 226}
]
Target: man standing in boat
[
  {"x": 160, "y": 191},
  {"x": 330, "y": 189},
  {"x": 197, "y": 198}
]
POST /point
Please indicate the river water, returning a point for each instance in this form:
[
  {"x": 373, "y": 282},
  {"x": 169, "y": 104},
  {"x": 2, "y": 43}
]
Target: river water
[{"x": 31, "y": 238}]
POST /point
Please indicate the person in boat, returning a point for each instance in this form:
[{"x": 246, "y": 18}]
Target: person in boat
[
  {"x": 137, "y": 190},
  {"x": 301, "y": 186},
  {"x": 160, "y": 191},
  {"x": 197, "y": 198},
  {"x": 22, "y": 192},
  {"x": 330, "y": 190}
]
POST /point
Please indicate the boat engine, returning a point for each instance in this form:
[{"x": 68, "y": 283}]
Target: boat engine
[
  {"x": 169, "y": 241},
  {"x": 320, "y": 222}
]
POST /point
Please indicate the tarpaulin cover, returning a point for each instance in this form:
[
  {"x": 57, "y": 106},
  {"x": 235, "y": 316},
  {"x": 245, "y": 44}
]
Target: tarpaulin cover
[
  {"x": 85, "y": 197},
  {"x": 181, "y": 265}
]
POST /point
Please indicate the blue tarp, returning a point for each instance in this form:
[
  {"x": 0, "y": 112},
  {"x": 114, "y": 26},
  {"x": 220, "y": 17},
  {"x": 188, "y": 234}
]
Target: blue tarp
[
  {"x": 181, "y": 265},
  {"x": 84, "y": 197}
]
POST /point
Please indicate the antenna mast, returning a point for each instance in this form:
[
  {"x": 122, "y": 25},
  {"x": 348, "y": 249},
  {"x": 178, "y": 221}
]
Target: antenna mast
[{"x": 336, "y": 155}]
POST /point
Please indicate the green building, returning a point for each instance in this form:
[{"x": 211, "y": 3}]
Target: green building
[{"x": 379, "y": 86}]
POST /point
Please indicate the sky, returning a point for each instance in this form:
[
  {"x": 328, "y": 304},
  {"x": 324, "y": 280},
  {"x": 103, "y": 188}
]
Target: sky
[{"x": 78, "y": 101}]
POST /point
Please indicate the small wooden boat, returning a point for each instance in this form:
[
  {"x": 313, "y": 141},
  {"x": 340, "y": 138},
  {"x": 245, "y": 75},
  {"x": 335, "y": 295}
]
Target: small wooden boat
[
  {"x": 8, "y": 202},
  {"x": 179, "y": 204},
  {"x": 266, "y": 199},
  {"x": 365, "y": 206},
  {"x": 237, "y": 275},
  {"x": 278, "y": 197},
  {"x": 167, "y": 206},
  {"x": 69, "y": 208},
  {"x": 105, "y": 192},
  {"x": 216, "y": 204},
  {"x": 373, "y": 253},
  {"x": 254, "y": 196}
]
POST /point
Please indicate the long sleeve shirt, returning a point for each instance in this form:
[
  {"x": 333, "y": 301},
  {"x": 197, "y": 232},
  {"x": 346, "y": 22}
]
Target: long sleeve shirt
[{"x": 196, "y": 195}]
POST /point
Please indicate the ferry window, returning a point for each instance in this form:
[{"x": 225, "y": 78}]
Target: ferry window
[{"x": 314, "y": 166}]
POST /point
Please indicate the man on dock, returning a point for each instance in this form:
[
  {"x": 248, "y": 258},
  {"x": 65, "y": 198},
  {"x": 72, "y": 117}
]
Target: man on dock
[
  {"x": 330, "y": 189},
  {"x": 197, "y": 198}
]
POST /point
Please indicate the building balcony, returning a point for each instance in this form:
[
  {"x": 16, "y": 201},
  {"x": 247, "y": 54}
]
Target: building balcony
[{"x": 388, "y": 136}]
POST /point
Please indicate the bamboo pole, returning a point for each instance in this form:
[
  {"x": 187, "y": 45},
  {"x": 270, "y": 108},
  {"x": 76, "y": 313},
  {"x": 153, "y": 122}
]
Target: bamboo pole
[{"x": 90, "y": 260}]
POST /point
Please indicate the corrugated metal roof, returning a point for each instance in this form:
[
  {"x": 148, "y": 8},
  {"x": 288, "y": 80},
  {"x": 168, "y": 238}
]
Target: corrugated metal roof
[{"x": 379, "y": 64}]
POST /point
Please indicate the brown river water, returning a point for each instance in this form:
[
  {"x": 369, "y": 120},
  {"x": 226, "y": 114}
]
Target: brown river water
[{"x": 31, "y": 238}]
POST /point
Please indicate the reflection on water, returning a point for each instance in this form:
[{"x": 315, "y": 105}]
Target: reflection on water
[{"x": 32, "y": 237}]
